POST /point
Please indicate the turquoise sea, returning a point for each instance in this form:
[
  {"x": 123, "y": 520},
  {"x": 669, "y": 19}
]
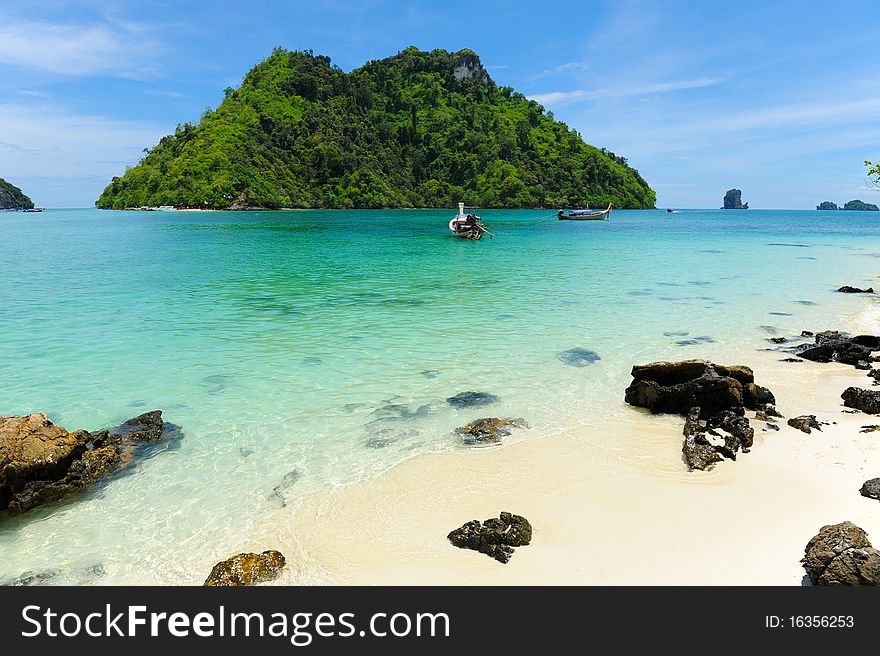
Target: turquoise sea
[{"x": 302, "y": 350}]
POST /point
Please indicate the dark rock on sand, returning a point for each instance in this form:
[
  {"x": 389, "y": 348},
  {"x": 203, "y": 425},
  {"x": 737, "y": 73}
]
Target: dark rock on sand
[
  {"x": 832, "y": 346},
  {"x": 247, "y": 569},
  {"x": 495, "y": 537},
  {"x": 869, "y": 429},
  {"x": 471, "y": 399},
  {"x": 806, "y": 333},
  {"x": 805, "y": 423},
  {"x": 676, "y": 387},
  {"x": 867, "y": 401},
  {"x": 771, "y": 426},
  {"x": 871, "y": 489},
  {"x": 841, "y": 554},
  {"x": 700, "y": 452},
  {"x": 489, "y": 430},
  {"x": 41, "y": 462},
  {"x": 846, "y": 289},
  {"x": 791, "y": 360},
  {"x": 578, "y": 357}
]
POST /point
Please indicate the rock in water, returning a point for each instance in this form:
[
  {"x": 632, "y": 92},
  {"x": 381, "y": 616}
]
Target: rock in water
[
  {"x": 733, "y": 200},
  {"x": 247, "y": 569},
  {"x": 805, "y": 423},
  {"x": 867, "y": 401},
  {"x": 871, "y": 489},
  {"x": 40, "y": 462},
  {"x": 471, "y": 399},
  {"x": 846, "y": 289},
  {"x": 578, "y": 357},
  {"x": 495, "y": 537},
  {"x": 488, "y": 430},
  {"x": 840, "y": 554},
  {"x": 826, "y": 205}
]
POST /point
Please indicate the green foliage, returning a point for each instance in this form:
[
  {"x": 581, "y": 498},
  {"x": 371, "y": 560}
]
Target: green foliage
[
  {"x": 11, "y": 197},
  {"x": 420, "y": 129},
  {"x": 873, "y": 171}
]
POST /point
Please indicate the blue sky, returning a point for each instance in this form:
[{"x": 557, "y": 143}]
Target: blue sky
[{"x": 778, "y": 98}]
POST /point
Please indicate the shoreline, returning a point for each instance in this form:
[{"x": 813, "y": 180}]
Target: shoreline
[{"x": 611, "y": 505}]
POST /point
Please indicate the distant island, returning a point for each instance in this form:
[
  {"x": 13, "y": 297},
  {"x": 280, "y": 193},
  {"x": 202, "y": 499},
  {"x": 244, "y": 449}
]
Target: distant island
[
  {"x": 419, "y": 129},
  {"x": 733, "y": 200},
  {"x": 11, "y": 197},
  {"x": 851, "y": 205}
]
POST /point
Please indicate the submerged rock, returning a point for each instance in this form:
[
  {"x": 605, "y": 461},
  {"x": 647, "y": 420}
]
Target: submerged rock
[
  {"x": 471, "y": 399},
  {"x": 578, "y": 357},
  {"x": 495, "y": 537},
  {"x": 247, "y": 569},
  {"x": 40, "y": 462},
  {"x": 489, "y": 430},
  {"x": 287, "y": 482},
  {"x": 867, "y": 401},
  {"x": 805, "y": 423},
  {"x": 871, "y": 489},
  {"x": 846, "y": 289},
  {"x": 841, "y": 554}
]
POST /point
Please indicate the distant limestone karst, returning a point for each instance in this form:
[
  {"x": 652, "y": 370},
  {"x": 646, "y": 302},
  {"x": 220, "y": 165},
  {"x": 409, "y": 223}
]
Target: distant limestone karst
[
  {"x": 11, "y": 197},
  {"x": 733, "y": 200},
  {"x": 860, "y": 205},
  {"x": 851, "y": 205}
]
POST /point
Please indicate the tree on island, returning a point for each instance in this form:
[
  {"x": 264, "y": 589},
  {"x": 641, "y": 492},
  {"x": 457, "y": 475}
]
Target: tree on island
[
  {"x": 826, "y": 205},
  {"x": 419, "y": 129},
  {"x": 12, "y": 198},
  {"x": 860, "y": 205}
]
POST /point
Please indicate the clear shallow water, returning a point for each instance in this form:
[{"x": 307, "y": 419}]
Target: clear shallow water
[{"x": 326, "y": 343}]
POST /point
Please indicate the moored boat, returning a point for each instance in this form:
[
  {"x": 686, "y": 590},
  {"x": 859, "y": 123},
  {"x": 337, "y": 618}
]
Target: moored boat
[
  {"x": 467, "y": 225},
  {"x": 584, "y": 215}
]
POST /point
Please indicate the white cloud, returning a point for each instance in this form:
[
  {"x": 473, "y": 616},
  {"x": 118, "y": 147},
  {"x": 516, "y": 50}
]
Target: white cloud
[
  {"x": 565, "y": 97},
  {"x": 99, "y": 48},
  {"x": 64, "y": 159}
]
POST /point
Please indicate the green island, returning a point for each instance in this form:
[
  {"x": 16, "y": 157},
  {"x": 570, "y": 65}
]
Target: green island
[
  {"x": 11, "y": 197},
  {"x": 419, "y": 129},
  {"x": 860, "y": 205}
]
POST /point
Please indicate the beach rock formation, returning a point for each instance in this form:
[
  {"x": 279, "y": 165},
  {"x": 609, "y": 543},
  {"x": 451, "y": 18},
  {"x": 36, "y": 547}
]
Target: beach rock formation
[
  {"x": 11, "y": 197},
  {"x": 707, "y": 442},
  {"x": 868, "y": 401},
  {"x": 41, "y": 462},
  {"x": 676, "y": 387},
  {"x": 712, "y": 397},
  {"x": 841, "y": 554},
  {"x": 871, "y": 489},
  {"x": 733, "y": 200},
  {"x": 471, "y": 399},
  {"x": 846, "y": 289},
  {"x": 495, "y": 537},
  {"x": 826, "y": 205},
  {"x": 860, "y": 205},
  {"x": 805, "y": 423},
  {"x": 834, "y": 346},
  {"x": 578, "y": 357},
  {"x": 489, "y": 430},
  {"x": 247, "y": 569}
]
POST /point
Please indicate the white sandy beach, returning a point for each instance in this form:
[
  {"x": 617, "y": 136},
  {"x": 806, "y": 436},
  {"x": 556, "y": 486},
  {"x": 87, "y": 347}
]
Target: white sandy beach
[{"x": 612, "y": 507}]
